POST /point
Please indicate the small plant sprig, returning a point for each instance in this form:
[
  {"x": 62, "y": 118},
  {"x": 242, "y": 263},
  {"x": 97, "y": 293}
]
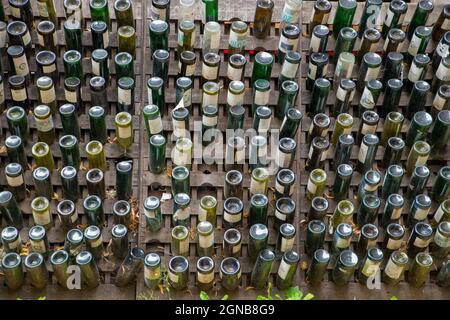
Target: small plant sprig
[
  {"x": 291, "y": 293},
  {"x": 205, "y": 296}
]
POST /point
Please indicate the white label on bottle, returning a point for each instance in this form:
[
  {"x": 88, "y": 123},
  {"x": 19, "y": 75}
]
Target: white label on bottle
[
  {"x": 95, "y": 68},
  {"x": 49, "y": 69},
  {"x": 151, "y": 214},
  {"x": 2, "y": 93},
  {"x": 446, "y": 25},
  {"x": 71, "y": 96},
  {"x": 341, "y": 94},
  {"x": 124, "y": 96},
  {"x": 394, "y": 244},
  {"x": 287, "y": 44},
  {"x": 439, "y": 214},
  {"x": 125, "y": 132},
  {"x": 184, "y": 246},
  {"x": 370, "y": 268},
  {"x": 421, "y": 161},
  {"x": 3, "y": 38},
  {"x": 283, "y": 159},
  {"x": 236, "y": 248},
  {"x": 262, "y": 97},
  {"x": 205, "y": 278},
  {"x": 257, "y": 187},
  {"x": 441, "y": 240},
  {"x": 209, "y": 121},
  {"x": 264, "y": 125},
  {"x": 152, "y": 273},
  {"x": 314, "y": 44},
  {"x": 414, "y": 45},
  {"x": 44, "y": 125},
  {"x": 280, "y": 215},
  {"x": 372, "y": 73},
  {"x": 179, "y": 128},
  {"x": 187, "y": 98},
  {"x": 367, "y": 99},
  {"x": 47, "y": 96},
  {"x": 392, "y": 270},
  {"x": 234, "y": 99},
  {"x": 342, "y": 243},
  {"x": 155, "y": 125},
  {"x": 105, "y": 39},
  {"x": 210, "y": 99},
  {"x": 311, "y": 187},
  {"x": 362, "y": 152},
  {"x": 97, "y": 242},
  {"x": 421, "y": 214},
  {"x": 289, "y": 70},
  {"x": 26, "y": 38},
  {"x": 158, "y": 14},
  {"x": 287, "y": 244},
  {"x": 386, "y": 44},
  {"x": 283, "y": 270},
  {"x": 206, "y": 241},
  {"x": 173, "y": 277},
  {"x": 202, "y": 214},
  {"x": 367, "y": 128},
  {"x": 42, "y": 219},
  {"x": 190, "y": 68},
  {"x": 438, "y": 102},
  {"x": 442, "y": 49},
  {"x": 421, "y": 243},
  {"x": 182, "y": 214},
  {"x": 290, "y": 13},
  {"x": 312, "y": 71},
  {"x": 239, "y": 156},
  {"x": 38, "y": 246},
  {"x": 232, "y": 218},
  {"x": 215, "y": 41},
  {"x": 237, "y": 40},
  {"x": 388, "y": 18},
  {"x": 234, "y": 73},
  {"x": 370, "y": 187},
  {"x": 279, "y": 187},
  {"x": 43, "y": 9},
  {"x": 415, "y": 73},
  {"x": 180, "y": 37},
  {"x": 311, "y": 150},
  {"x": 396, "y": 213},
  {"x": 14, "y": 181},
  {"x": 443, "y": 73},
  {"x": 15, "y": 12},
  {"x": 21, "y": 65},
  {"x": 19, "y": 95},
  {"x": 209, "y": 73}
]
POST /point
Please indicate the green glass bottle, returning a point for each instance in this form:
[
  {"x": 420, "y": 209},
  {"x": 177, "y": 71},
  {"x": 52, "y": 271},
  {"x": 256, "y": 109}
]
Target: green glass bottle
[
  {"x": 96, "y": 155},
  {"x": 392, "y": 94},
  {"x": 70, "y": 152},
  {"x": 69, "y": 120},
  {"x": 97, "y": 124},
  {"x": 319, "y": 96},
  {"x": 287, "y": 98},
  {"x": 100, "y": 35},
  {"x": 93, "y": 210},
  {"x": 420, "y": 16},
  {"x": 344, "y": 15},
  {"x": 124, "y": 13},
  {"x": 237, "y": 38},
  {"x": 42, "y": 155},
  {"x": 124, "y": 129},
  {"x": 287, "y": 269},
  {"x": 99, "y": 10},
  {"x": 72, "y": 35},
  {"x": 153, "y": 216},
  {"x": 441, "y": 187},
  {"x": 421, "y": 266},
  {"x": 262, "y": 66},
  {"x": 124, "y": 64},
  {"x": 418, "y": 156},
  {"x": 371, "y": 11},
  {"x": 345, "y": 267},
  {"x": 289, "y": 40},
  {"x": 345, "y": 42},
  {"x": 18, "y": 123},
  {"x": 262, "y": 20},
  {"x": 392, "y": 210}
]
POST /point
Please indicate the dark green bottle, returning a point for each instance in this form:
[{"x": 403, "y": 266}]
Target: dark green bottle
[
  {"x": 418, "y": 181},
  {"x": 420, "y": 16},
  {"x": 100, "y": 35},
  {"x": 345, "y": 13},
  {"x": 345, "y": 41},
  {"x": 441, "y": 187},
  {"x": 287, "y": 269},
  {"x": 315, "y": 236},
  {"x": 157, "y": 153},
  {"x": 97, "y": 124},
  {"x": 419, "y": 127},
  {"x": 93, "y": 211},
  {"x": 262, "y": 268},
  {"x": 392, "y": 210},
  {"x": 394, "y": 16},
  {"x": 212, "y": 10},
  {"x": 345, "y": 267},
  {"x": 262, "y": 66},
  {"x": 318, "y": 267},
  {"x": 342, "y": 181},
  {"x": 69, "y": 183},
  {"x": 69, "y": 120},
  {"x": 393, "y": 67},
  {"x": 392, "y": 180},
  {"x": 287, "y": 98},
  {"x": 371, "y": 11},
  {"x": 289, "y": 40},
  {"x": 257, "y": 240},
  {"x": 418, "y": 98},
  {"x": 393, "y": 152},
  {"x": 153, "y": 216},
  {"x": 258, "y": 209},
  {"x": 16, "y": 151},
  {"x": 124, "y": 180},
  {"x": 18, "y": 123},
  {"x": 159, "y": 35},
  {"x": 440, "y": 134},
  {"x": 291, "y": 123},
  {"x": 99, "y": 10},
  {"x": 70, "y": 152},
  {"x": 392, "y": 94},
  {"x": 319, "y": 96}
]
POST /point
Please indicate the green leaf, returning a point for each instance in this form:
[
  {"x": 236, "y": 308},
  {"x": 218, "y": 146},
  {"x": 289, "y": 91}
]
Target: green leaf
[
  {"x": 204, "y": 296},
  {"x": 293, "y": 293},
  {"x": 225, "y": 297},
  {"x": 278, "y": 297},
  {"x": 393, "y": 298},
  {"x": 308, "y": 296},
  {"x": 261, "y": 297},
  {"x": 269, "y": 288}
]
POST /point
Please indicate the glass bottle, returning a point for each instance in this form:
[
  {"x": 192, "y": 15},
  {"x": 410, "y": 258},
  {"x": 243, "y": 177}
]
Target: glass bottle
[
  {"x": 262, "y": 20},
  {"x": 344, "y": 68},
  {"x": 345, "y": 267},
  {"x": 153, "y": 216},
  {"x": 442, "y": 213},
  {"x": 262, "y": 119},
  {"x": 262, "y": 66},
  {"x": 230, "y": 273},
  {"x": 60, "y": 262},
  {"x": 69, "y": 183},
  {"x": 319, "y": 38},
  {"x": 315, "y": 236},
  {"x": 291, "y": 123},
  {"x": 157, "y": 153},
  {"x": 161, "y": 64},
  {"x": 345, "y": 42},
  {"x": 95, "y": 182},
  {"x": 287, "y": 269},
  {"x": 232, "y": 212},
  {"x": 367, "y": 153},
  {"x": 393, "y": 238},
  {"x": 343, "y": 213},
  {"x": 159, "y": 35},
  {"x": 17, "y": 123},
  {"x": 344, "y": 97},
  {"x": 156, "y": 94},
  {"x": 93, "y": 210},
  {"x": 316, "y": 183},
  {"x": 237, "y": 38},
  {"x": 395, "y": 268},
  {"x": 441, "y": 187},
  {"x": 342, "y": 236},
  {"x": 421, "y": 267},
  {"x": 392, "y": 180},
  {"x": 318, "y": 267},
  {"x": 100, "y": 35},
  {"x": 442, "y": 76},
  {"x": 368, "y": 209},
  {"x": 123, "y": 10},
  {"x": 208, "y": 209},
  {"x": 180, "y": 241},
  {"x": 178, "y": 272},
  {"x": 257, "y": 240},
  {"x": 160, "y": 10},
  {"x": 343, "y": 150},
  {"x": 440, "y": 133},
  {"x": 317, "y": 153},
  {"x": 124, "y": 177},
  {"x": 441, "y": 242},
  {"x": 67, "y": 214},
  {"x": 232, "y": 243},
  {"x": 318, "y": 209},
  {"x": 262, "y": 268},
  {"x": 393, "y": 67},
  {"x": 233, "y": 184},
  {"x": 211, "y": 37},
  {"x": 420, "y": 16},
  {"x": 15, "y": 151},
  {"x": 418, "y": 156},
  {"x": 392, "y": 94},
  {"x": 417, "y": 70},
  {"x": 96, "y": 155},
  {"x": 371, "y": 11},
  {"x": 124, "y": 129},
  {"x": 124, "y": 64},
  {"x": 284, "y": 183},
  {"x": 420, "y": 238},
  {"x": 259, "y": 181},
  {"x": 181, "y": 210},
  {"x": 72, "y": 65},
  {"x": 152, "y": 270},
  {"x": 319, "y": 96},
  {"x": 393, "y": 209},
  {"x": 261, "y": 94},
  {"x": 125, "y": 94},
  {"x": 419, "y": 42},
  {"x": 342, "y": 181},
  {"x": 344, "y": 15},
  {"x": 205, "y": 273},
  {"x": 320, "y": 14},
  {"x": 89, "y": 270},
  {"x": 368, "y": 124},
  {"x": 15, "y": 179},
  {"x": 99, "y": 10},
  {"x": 180, "y": 181},
  {"x": 210, "y": 94},
  {"x": 13, "y": 270},
  {"x": 289, "y": 67},
  {"x": 370, "y": 265},
  {"x": 42, "y": 155},
  {"x": 186, "y": 36},
  {"x": 72, "y": 35},
  {"x": 369, "y": 70},
  {"x": 291, "y": 11},
  {"x": 236, "y": 68},
  {"x": 287, "y": 98},
  {"x": 290, "y": 35},
  {"x": 317, "y": 68},
  {"x": 94, "y": 241},
  {"x": 42, "y": 215},
  {"x": 393, "y": 152},
  {"x": 286, "y": 238},
  {"x": 441, "y": 48},
  {"x": 42, "y": 182}
]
